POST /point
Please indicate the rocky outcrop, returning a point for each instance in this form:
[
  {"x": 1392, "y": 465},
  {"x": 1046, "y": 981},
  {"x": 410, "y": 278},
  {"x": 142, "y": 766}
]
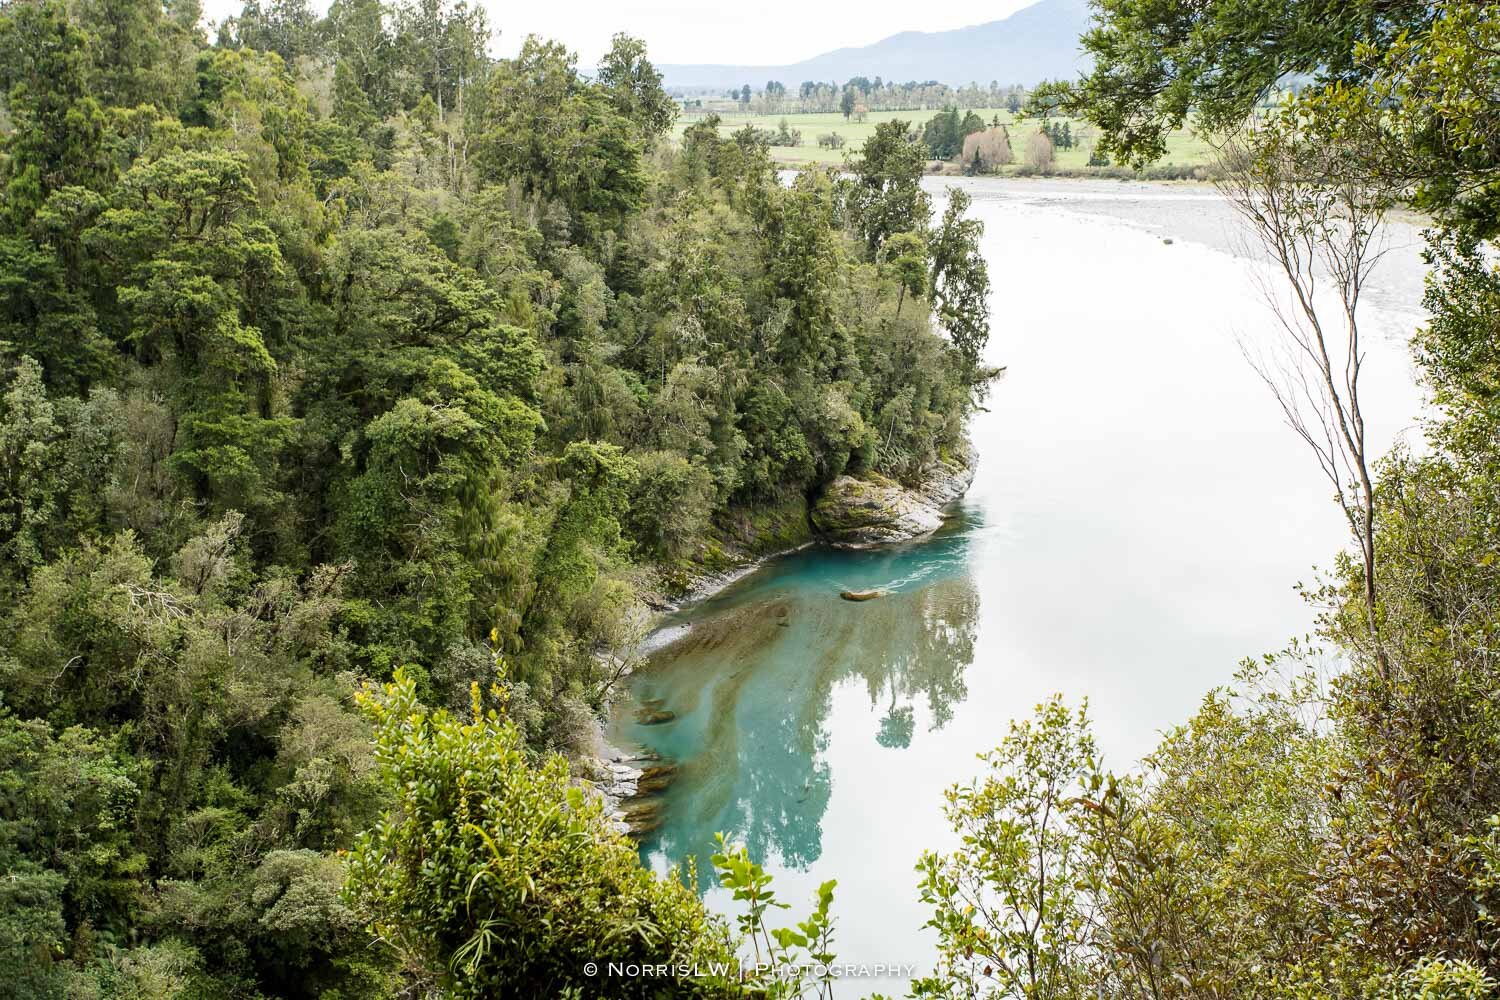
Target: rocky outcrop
[
  {"x": 630, "y": 785},
  {"x": 873, "y": 510}
]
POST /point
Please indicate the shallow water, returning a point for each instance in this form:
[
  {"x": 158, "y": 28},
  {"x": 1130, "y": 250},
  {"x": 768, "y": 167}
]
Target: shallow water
[{"x": 1139, "y": 523}]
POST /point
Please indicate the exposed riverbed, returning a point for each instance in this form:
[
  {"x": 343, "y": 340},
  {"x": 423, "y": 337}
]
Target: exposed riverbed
[{"x": 1140, "y": 519}]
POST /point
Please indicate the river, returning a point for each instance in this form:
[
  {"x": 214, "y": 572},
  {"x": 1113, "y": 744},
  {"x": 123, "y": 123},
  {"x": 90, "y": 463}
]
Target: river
[{"x": 1139, "y": 523}]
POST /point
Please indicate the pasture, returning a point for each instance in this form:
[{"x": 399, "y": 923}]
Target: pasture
[{"x": 1183, "y": 148}]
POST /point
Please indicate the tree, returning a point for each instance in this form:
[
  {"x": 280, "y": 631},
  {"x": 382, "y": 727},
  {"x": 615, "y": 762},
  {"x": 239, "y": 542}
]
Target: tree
[
  {"x": 801, "y": 253},
  {"x": 1038, "y": 151},
  {"x": 635, "y": 86},
  {"x": 671, "y": 500},
  {"x": 99, "y": 638},
  {"x": 43, "y": 316},
  {"x": 367, "y": 61},
  {"x": 287, "y": 27},
  {"x": 1151, "y": 67},
  {"x": 885, "y": 195},
  {"x": 561, "y": 137},
  {"x": 984, "y": 151},
  {"x": 131, "y": 49},
  {"x": 1316, "y": 213},
  {"x": 431, "y": 409},
  {"x": 945, "y": 133},
  {"x": 1236, "y": 790},
  {"x": 1009, "y": 907},
  {"x": 70, "y": 798},
  {"x": 58, "y": 137},
  {"x": 197, "y": 270},
  {"x": 960, "y": 286},
  {"x": 56, "y": 456},
  {"x": 846, "y": 102},
  {"x": 906, "y": 254},
  {"x": 443, "y": 46}
]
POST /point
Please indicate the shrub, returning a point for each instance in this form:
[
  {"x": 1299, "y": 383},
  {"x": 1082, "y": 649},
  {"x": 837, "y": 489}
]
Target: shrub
[{"x": 497, "y": 877}]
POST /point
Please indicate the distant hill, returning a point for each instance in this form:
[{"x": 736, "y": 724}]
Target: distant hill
[{"x": 1037, "y": 43}]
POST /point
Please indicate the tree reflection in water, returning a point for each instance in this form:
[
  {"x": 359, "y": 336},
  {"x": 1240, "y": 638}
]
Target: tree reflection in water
[{"x": 752, "y": 683}]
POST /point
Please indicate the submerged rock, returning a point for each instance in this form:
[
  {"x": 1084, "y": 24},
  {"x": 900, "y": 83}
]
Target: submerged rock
[
  {"x": 655, "y": 778},
  {"x": 646, "y": 807},
  {"x": 654, "y": 716},
  {"x": 861, "y": 595},
  {"x": 638, "y": 830},
  {"x": 873, "y": 510},
  {"x": 640, "y": 816}
]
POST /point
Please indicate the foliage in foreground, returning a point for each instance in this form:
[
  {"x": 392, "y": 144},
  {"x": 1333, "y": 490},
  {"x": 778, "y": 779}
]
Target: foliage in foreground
[
  {"x": 1224, "y": 869},
  {"x": 494, "y": 876}
]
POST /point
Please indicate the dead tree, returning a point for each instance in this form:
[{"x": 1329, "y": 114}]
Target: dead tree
[{"x": 1319, "y": 218}]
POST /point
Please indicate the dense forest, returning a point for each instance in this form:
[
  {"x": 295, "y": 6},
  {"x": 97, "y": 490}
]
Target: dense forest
[{"x": 342, "y": 361}]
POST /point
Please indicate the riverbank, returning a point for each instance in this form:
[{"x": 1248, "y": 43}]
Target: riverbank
[
  {"x": 1156, "y": 173},
  {"x": 853, "y": 512}
]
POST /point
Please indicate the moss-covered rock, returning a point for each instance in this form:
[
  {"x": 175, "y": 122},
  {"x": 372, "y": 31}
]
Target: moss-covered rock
[{"x": 872, "y": 510}]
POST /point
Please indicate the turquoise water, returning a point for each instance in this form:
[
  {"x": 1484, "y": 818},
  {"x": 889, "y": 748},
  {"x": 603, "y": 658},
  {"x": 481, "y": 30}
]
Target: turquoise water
[
  {"x": 1139, "y": 523},
  {"x": 752, "y": 686}
]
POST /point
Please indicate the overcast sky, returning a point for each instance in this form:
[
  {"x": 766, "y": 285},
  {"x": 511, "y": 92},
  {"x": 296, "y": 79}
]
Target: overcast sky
[{"x": 717, "y": 31}]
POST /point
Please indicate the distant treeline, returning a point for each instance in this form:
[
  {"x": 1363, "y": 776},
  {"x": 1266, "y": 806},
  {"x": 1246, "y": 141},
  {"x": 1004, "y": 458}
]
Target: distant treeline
[{"x": 856, "y": 95}]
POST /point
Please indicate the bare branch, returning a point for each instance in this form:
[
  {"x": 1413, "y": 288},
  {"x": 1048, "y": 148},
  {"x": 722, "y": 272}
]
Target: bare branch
[{"x": 1320, "y": 220}]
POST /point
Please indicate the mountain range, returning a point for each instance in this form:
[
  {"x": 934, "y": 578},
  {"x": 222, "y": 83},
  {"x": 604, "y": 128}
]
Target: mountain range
[{"x": 1036, "y": 43}]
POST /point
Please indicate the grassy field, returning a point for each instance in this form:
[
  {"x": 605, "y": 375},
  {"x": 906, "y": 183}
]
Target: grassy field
[{"x": 1183, "y": 148}]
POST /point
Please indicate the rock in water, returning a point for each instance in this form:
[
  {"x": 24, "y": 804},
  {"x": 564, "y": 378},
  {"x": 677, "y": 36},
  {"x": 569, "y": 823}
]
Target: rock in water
[
  {"x": 873, "y": 510},
  {"x": 655, "y": 779},
  {"x": 861, "y": 595},
  {"x": 654, "y": 716},
  {"x": 642, "y": 815}
]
